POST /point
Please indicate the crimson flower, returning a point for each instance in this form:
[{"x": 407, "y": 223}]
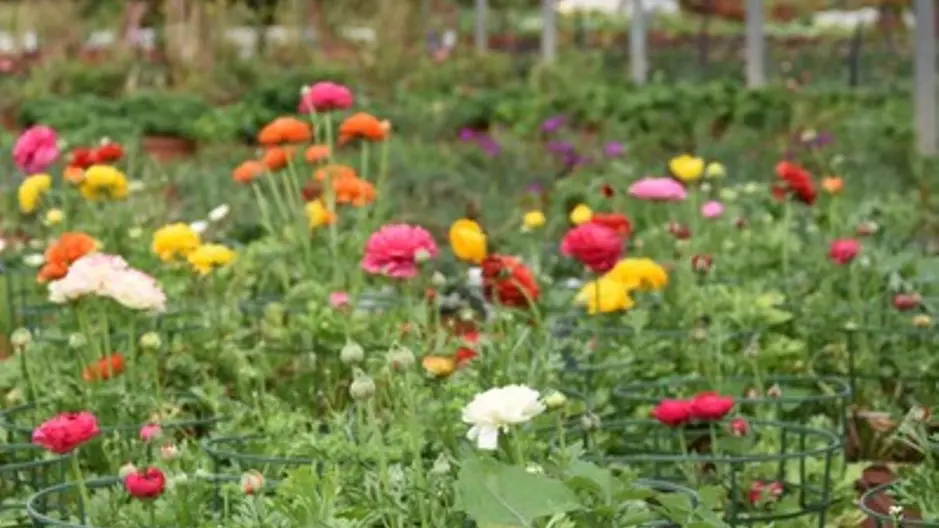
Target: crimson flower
[
  {"x": 843, "y": 250},
  {"x": 672, "y": 412},
  {"x": 708, "y": 406},
  {"x": 145, "y": 484},
  {"x": 760, "y": 490},
  {"x": 615, "y": 221},
  {"x": 595, "y": 245},
  {"x": 797, "y": 181},
  {"x": 508, "y": 281}
]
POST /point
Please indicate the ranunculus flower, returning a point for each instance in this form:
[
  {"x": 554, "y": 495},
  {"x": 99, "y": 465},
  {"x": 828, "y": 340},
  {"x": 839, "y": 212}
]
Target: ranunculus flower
[
  {"x": 596, "y": 246},
  {"x": 797, "y": 181},
  {"x": 508, "y": 281},
  {"x": 493, "y": 411},
  {"x": 672, "y": 412},
  {"x": 708, "y": 406},
  {"x": 552, "y": 124},
  {"x": 642, "y": 273},
  {"x": 613, "y": 149},
  {"x": 904, "y": 302},
  {"x": 325, "y": 97},
  {"x": 468, "y": 241},
  {"x": 136, "y": 290},
  {"x": 760, "y": 491},
  {"x": 395, "y": 250},
  {"x": 739, "y": 427},
  {"x": 843, "y": 250},
  {"x": 150, "y": 432},
  {"x": 36, "y": 149},
  {"x": 145, "y": 484},
  {"x": 581, "y": 214},
  {"x": 712, "y": 209},
  {"x": 615, "y": 221},
  {"x": 66, "y": 431},
  {"x": 104, "y": 368},
  {"x": 686, "y": 167},
  {"x": 833, "y": 185},
  {"x": 658, "y": 189},
  {"x": 339, "y": 300},
  {"x": 605, "y": 295}
]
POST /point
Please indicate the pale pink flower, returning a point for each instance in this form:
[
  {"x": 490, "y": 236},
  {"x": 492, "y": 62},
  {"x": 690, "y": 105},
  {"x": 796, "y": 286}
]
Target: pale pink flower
[
  {"x": 36, "y": 149},
  {"x": 136, "y": 290},
  {"x": 712, "y": 209},
  {"x": 86, "y": 276},
  {"x": 150, "y": 432},
  {"x": 339, "y": 300},
  {"x": 325, "y": 97},
  {"x": 395, "y": 250},
  {"x": 658, "y": 189}
]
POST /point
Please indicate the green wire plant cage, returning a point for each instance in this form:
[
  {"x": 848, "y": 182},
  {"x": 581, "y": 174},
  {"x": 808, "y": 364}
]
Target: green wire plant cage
[
  {"x": 24, "y": 470},
  {"x": 244, "y": 453},
  {"x": 877, "y": 503}
]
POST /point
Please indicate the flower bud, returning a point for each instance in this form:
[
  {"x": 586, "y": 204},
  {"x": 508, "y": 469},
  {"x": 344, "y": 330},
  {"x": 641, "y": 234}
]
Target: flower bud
[
  {"x": 126, "y": 469},
  {"x": 775, "y": 391},
  {"x": 590, "y": 421},
  {"x": 922, "y": 321},
  {"x": 150, "y": 432},
  {"x": 401, "y": 358},
  {"x": 21, "y": 338},
  {"x": 351, "y": 353},
  {"x": 77, "y": 341},
  {"x": 169, "y": 452},
  {"x": 906, "y": 301},
  {"x": 14, "y": 397},
  {"x": 715, "y": 170},
  {"x": 151, "y": 341},
  {"x": 362, "y": 387},
  {"x": 54, "y": 217},
  {"x": 438, "y": 279},
  {"x": 555, "y": 400},
  {"x": 441, "y": 466},
  {"x": 739, "y": 427},
  {"x": 252, "y": 482}
]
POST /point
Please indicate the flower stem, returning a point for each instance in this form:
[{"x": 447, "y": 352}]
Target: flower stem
[{"x": 82, "y": 489}]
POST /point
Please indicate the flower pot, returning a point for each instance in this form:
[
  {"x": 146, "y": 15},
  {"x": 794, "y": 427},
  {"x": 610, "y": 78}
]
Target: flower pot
[
  {"x": 163, "y": 149},
  {"x": 8, "y": 118}
]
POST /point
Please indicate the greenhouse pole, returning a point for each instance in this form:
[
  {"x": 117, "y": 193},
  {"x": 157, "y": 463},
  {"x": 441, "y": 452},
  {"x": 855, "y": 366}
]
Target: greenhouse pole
[
  {"x": 480, "y": 37},
  {"x": 638, "y": 62},
  {"x": 549, "y": 31},
  {"x": 756, "y": 70},
  {"x": 924, "y": 91}
]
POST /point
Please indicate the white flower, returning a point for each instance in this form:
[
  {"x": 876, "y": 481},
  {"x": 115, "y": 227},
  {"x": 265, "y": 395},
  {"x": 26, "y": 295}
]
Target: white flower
[
  {"x": 219, "y": 213},
  {"x": 136, "y": 290},
  {"x": 3, "y": 244},
  {"x": 497, "y": 409},
  {"x": 86, "y": 276},
  {"x": 199, "y": 226},
  {"x": 136, "y": 186},
  {"x": 35, "y": 260},
  {"x": 474, "y": 277}
]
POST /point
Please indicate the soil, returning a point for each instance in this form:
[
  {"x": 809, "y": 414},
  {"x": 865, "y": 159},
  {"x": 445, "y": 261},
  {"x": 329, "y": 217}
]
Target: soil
[
  {"x": 164, "y": 149},
  {"x": 877, "y": 475}
]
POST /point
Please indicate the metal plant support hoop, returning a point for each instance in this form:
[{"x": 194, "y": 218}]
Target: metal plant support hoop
[
  {"x": 871, "y": 503},
  {"x": 678, "y": 455},
  {"x": 21, "y": 472},
  {"x": 665, "y": 486},
  {"x": 920, "y": 337},
  {"x": 227, "y": 454}
]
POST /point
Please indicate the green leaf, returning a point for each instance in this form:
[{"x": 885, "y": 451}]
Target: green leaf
[
  {"x": 601, "y": 479},
  {"x": 497, "y": 494}
]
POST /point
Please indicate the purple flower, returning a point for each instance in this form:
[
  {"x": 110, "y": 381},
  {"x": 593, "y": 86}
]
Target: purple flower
[
  {"x": 552, "y": 124},
  {"x": 489, "y": 145},
  {"x": 613, "y": 149},
  {"x": 559, "y": 147},
  {"x": 534, "y": 188},
  {"x": 467, "y": 134},
  {"x": 573, "y": 159}
]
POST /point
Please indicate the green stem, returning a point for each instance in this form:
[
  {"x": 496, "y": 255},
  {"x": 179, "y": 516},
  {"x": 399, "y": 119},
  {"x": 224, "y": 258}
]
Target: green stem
[{"x": 82, "y": 488}]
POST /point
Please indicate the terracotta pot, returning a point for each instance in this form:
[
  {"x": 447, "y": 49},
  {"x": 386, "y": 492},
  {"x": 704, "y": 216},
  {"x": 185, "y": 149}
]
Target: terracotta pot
[
  {"x": 8, "y": 119},
  {"x": 164, "y": 148}
]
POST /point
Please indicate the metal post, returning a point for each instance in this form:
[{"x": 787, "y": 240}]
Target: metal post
[
  {"x": 549, "y": 31},
  {"x": 638, "y": 61},
  {"x": 482, "y": 42},
  {"x": 924, "y": 92},
  {"x": 756, "y": 70}
]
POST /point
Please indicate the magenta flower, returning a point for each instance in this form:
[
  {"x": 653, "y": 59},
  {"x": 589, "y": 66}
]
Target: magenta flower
[
  {"x": 843, "y": 250},
  {"x": 66, "y": 431},
  {"x": 325, "y": 97},
  {"x": 36, "y": 149},
  {"x": 339, "y": 300},
  {"x": 658, "y": 189},
  {"x": 712, "y": 209},
  {"x": 395, "y": 250}
]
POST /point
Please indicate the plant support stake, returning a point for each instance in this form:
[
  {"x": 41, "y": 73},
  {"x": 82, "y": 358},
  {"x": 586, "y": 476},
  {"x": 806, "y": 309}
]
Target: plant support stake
[
  {"x": 924, "y": 91},
  {"x": 480, "y": 32},
  {"x": 637, "y": 43},
  {"x": 756, "y": 72},
  {"x": 549, "y": 31}
]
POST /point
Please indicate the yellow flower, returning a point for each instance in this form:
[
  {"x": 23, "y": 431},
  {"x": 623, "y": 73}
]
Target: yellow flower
[
  {"x": 468, "y": 241},
  {"x": 581, "y": 214},
  {"x": 104, "y": 182},
  {"x": 533, "y": 220},
  {"x": 715, "y": 171},
  {"x": 207, "y": 257},
  {"x": 605, "y": 295},
  {"x": 438, "y": 366},
  {"x": 175, "y": 240},
  {"x": 54, "y": 217},
  {"x": 640, "y": 273},
  {"x": 31, "y": 191},
  {"x": 686, "y": 168},
  {"x": 317, "y": 215}
]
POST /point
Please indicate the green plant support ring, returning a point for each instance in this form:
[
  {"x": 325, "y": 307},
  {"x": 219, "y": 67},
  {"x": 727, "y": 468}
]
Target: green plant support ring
[
  {"x": 21, "y": 471},
  {"x": 867, "y": 504}
]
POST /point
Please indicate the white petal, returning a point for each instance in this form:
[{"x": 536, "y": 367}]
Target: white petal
[{"x": 487, "y": 437}]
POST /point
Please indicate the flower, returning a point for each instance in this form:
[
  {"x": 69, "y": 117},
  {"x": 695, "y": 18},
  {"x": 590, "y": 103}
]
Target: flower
[
  {"x": 701, "y": 263},
  {"x": 150, "y": 432},
  {"x": 533, "y": 220},
  {"x": 642, "y": 273},
  {"x": 843, "y": 250},
  {"x": 508, "y": 281},
  {"x": 905, "y": 302},
  {"x": 438, "y": 366},
  {"x": 605, "y": 295},
  {"x": 553, "y": 124},
  {"x": 318, "y": 215},
  {"x": 145, "y": 484},
  {"x": 108, "y": 152},
  {"x": 174, "y": 240},
  {"x": 36, "y": 149},
  {"x": 363, "y": 126},
  {"x": 712, "y": 209},
  {"x": 796, "y": 180},
  {"x": 136, "y": 290},
  {"x": 468, "y": 241},
  {"x": 658, "y": 189},
  {"x": 672, "y": 412},
  {"x": 63, "y": 252},
  {"x": 105, "y": 368},
  {"x": 219, "y": 213},
  {"x": 31, "y": 190},
  {"x": 317, "y": 153},
  {"x": 581, "y": 214},
  {"x": 686, "y": 167},
  {"x": 615, "y": 221},
  {"x": 714, "y": 171},
  {"x": 104, "y": 182},
  {"x": 833, "y": 185},
  {"x": 708, "y": 406},
  {"x": 66, "y": 432},
  {"x": 54, "y": 217},
  {"x": 208, "y": 257},
  {"x": 86, "y": 276},
  {"x": 199, "y": 226},
  {"x": 739, "y": 427},
  {"x": 922, "y": 321},
  {"x": 596, "y": 246},
  {"x": 252, "y": 482},
  {"x": 396, "y": 249},
  {"x": 248, "y": 171},
  {"x": 324, "y": 97},
  {"x": 285, "y": 130},
  {"x": 496, "y": 409},
  {"x": 760, "y": 490},
  {"x": 613, "y": 149},
  {"x": 276, "y": 158},
  {"x": 339, "y": 300}
]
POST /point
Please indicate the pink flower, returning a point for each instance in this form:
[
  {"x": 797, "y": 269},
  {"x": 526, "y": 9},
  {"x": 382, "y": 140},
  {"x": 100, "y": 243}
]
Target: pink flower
[
  {"x": 339, "y": 300},
  {"x": 712, "y": 209},
  {"x": 396, "y": 249},
  {"x": 36, "y": 149},
  {"x": 760, "y": 491},
  {"x": 145, "y": 484},
  {"x": 66, "y": 431},
  {"x": 325, "y": 97},
  {"x": 150, "y": 432},
  {"x": 739, "y": 427},
  {"x": 596, "y": 246},
  {"x": 658, "y": 189},
  {"x": 843, "y": 250},
  {"x": 672, "y": 412},
  {"x": 710, "y": 406}
]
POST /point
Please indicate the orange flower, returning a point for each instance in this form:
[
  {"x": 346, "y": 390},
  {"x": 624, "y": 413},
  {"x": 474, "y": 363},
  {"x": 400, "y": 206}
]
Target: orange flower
[
  {"x": 248, "y": 171},
  {"x": 276, "y": 158},
  {"x": 833, "y": 185},
  {"x": 355, "y": 191},
  {"x": 363, "y": 126},
  {"x": 63, "y": 252},
  {"x": 335, "y": 171},
  {"x": 285, "y": 130},
  {"x": 317, "y": 153},
  {"x": 74, "y": 174},
  {"x": 104, "y": 369}
]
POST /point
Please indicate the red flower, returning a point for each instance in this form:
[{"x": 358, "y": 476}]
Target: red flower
[
  {"x": 109, "y": 153},
  {"x": 508, "y": 281},
  {"x": 596, "y": 246},
  {"x": 615, "y": 221},
  {"x": 843, "y": 250},
  {"x": 701, "y": 263},
  {"x": 672, "y": 412},
  {"x": 906, "y": 301},
  {"x": 82, "y": 158},
  {"x": 739, "y": 427},
  {"x": 145, "y": 484},
  {"x": 679, "y": 231},
  {"x": 710, "y": 406},
  {"x": 798, "y": 181},
  {"x": 464, "y": 355},
  {"x": 104, "y": 369},
  {"x": 760, "y": 490}
]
